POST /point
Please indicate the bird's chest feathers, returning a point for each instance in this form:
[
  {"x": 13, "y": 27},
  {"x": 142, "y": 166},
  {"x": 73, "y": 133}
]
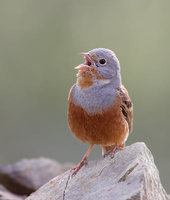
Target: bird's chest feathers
[{"x": 95, "y": 98}]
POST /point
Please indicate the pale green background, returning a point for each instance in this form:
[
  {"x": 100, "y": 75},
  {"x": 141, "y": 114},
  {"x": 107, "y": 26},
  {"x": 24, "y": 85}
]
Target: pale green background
[{"x": 39, "y": 45}]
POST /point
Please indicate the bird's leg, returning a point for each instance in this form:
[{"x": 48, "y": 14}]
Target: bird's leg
[
  {"x": 116, "y": 148},
  {"x": 83, "y": 162},
  {"x": 113, "y": 151}
]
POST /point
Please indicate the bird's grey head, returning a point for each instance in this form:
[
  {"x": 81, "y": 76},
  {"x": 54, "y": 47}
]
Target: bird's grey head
[{"x": 105, "y": 62}]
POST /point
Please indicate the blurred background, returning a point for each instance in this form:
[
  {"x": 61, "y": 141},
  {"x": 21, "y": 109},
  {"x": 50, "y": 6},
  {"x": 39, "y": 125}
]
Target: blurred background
[{"x": 39, "y": 45}]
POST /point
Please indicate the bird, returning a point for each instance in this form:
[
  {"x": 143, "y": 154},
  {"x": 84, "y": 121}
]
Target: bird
[{"x": 100, "y": 111}]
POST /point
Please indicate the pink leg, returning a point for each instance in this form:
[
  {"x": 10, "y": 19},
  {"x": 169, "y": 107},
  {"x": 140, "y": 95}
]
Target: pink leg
[
  {"x": 113, "y": 151},
  {"x": 83, "y": 162}
]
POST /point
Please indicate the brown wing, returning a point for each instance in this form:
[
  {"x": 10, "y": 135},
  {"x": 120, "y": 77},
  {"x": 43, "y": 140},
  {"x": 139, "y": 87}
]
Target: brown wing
[{"x": 126, "y": 106}]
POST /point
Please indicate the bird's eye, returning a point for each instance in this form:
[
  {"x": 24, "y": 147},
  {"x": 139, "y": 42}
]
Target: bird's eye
[{"x": 102, "y": 61}]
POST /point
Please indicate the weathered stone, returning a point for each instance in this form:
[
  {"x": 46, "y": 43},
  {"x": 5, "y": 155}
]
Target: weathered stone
[
  {"x": 6, "y": 195},
  {"x": 26, "y": 176},
  {"x": 131, "y": 175}
]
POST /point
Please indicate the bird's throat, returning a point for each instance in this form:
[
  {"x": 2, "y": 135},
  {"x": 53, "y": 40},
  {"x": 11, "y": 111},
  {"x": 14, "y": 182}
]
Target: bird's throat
[{"x": 84, "y": 79}]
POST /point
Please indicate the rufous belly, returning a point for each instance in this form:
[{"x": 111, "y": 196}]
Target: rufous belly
[{"x": 106, "y": 128}]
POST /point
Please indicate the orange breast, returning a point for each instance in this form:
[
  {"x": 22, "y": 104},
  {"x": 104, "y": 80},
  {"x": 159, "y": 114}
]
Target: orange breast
[
  {"x": 106, "y": 129},
  {"x": 84, "y": 79}
]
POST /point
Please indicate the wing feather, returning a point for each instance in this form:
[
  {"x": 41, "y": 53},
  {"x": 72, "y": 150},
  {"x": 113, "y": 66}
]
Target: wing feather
[{"x": 126, "y": 106}]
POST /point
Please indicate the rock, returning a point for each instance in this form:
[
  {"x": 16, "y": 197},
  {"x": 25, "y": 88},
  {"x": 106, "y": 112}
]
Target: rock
[
  {"x": 6, "y": 195},
  {"x": 131, "y": 175},
  {"x": 26, "y": 176}
]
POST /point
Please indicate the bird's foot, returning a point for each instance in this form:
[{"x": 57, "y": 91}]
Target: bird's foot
[
  {"x": 83, "y": 162},
  {"x": 113, "y": 151},
  {"x": 80, "y": 165}
]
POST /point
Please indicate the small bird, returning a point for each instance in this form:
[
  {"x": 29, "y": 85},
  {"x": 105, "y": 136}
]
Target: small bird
[{"x": 100, "y": 110}]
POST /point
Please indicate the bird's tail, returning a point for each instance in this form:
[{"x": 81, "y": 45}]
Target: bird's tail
[{"x": 108, "y": 148}]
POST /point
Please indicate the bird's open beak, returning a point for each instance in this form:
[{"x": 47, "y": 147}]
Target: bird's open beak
[{"x": 88, "y": 62}]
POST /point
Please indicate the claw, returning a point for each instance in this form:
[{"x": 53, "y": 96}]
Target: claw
[
  {"x": 79, "y": 166},
  {"x": 113, "y": 151},
  {"x": 83, "y": 162}
]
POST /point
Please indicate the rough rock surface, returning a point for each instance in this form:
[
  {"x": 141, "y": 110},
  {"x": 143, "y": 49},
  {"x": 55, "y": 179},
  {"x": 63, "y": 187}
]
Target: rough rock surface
[
  {"x": 26, "y": 176},
  {"x": 131, "y": 175}
]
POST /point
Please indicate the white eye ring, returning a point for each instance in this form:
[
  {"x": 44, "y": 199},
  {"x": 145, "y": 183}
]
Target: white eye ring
[{"x": 102, "y": 61}]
